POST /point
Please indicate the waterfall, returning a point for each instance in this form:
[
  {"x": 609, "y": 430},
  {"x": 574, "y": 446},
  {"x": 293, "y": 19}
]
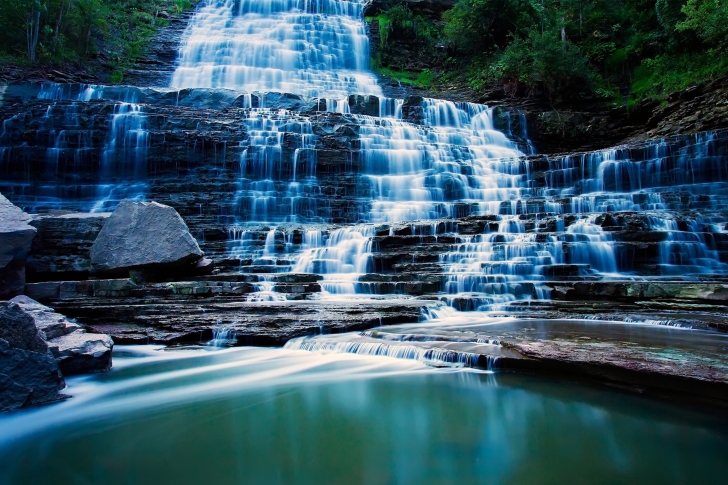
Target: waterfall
[
  {"x": 315, "y": 48},
  {"x": 325, "y": 178}
]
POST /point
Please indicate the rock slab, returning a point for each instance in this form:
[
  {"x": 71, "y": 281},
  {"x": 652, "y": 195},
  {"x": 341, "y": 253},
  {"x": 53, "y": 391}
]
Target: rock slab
[
  {"x": 143, "y": 235},
  {"x": 29, "y": 374},
  {"x": 16, "y": 238},
  {"x": 76, "y": 351}
]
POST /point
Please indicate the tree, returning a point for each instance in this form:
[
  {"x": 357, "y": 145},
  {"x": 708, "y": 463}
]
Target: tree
[{"x": 708, "y": 18}]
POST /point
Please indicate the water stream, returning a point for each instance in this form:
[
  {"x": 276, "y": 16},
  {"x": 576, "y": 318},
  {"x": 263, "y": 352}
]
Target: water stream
[{"x": 250, "y": 415}]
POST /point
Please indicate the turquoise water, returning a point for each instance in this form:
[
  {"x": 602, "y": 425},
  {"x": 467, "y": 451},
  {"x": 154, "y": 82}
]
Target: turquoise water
[{"x": 278, "y": 416}]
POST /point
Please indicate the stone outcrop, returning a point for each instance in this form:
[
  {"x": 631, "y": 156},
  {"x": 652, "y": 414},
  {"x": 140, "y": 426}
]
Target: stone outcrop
[
  {"x": 76, "y": 351},
  {"x": 16, "y": 237},
  {"x": 61, "y": 248},
  {"x": 29, "y": 374},
  {"x": 647, "y": 359},
  {"x": 144, "y": 236}
]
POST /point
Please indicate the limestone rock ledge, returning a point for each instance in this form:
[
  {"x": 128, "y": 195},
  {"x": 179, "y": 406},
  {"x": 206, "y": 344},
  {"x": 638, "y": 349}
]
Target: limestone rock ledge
[{"x": 77, "y": 351}]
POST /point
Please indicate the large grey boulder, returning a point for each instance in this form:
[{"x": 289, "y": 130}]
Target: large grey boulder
[
  {"x": 16, "y": 237},
  {"x": 144, "y": 235},
  {"x": 76, "y": 351},
  {"x": 29, "y": 374}
]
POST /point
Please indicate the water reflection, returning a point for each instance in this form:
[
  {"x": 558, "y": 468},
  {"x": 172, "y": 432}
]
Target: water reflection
[{"x": 280, "y": 416}]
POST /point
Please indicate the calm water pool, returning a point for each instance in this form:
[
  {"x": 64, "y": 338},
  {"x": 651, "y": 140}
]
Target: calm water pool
[{"x": 269, "y": 416}]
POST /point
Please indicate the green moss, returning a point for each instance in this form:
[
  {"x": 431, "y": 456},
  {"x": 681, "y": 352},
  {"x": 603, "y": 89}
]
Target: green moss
[{"x": 424, "y": 78}]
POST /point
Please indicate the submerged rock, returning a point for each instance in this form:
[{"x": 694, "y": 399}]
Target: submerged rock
[
  {"x": 28, "y": 372},
  {"x": 76, "y": 351},
  {"x": 144, "y": 236},
  {"x": 16, "y": 237}
]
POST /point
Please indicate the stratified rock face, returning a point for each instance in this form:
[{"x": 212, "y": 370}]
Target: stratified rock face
[
  {"x": 76, "y": 351},
  {"x": 16, "y": 237},
  {"x": 28, "y": 372},
  {"x": 61, "y": 249},
  {"x": 143, "y": 235}
]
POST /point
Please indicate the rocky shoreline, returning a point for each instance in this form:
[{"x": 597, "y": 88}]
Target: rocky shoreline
[{"x": 653, "y": 337}]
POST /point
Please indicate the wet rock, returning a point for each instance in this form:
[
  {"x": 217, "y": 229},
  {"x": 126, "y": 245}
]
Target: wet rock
[
  {"x": 16, "y": 237},
  {"x": 364, "y": 105},
  {"x": 635, "y": 290},
  {"x": 192, "y": 317},
  {"x": 156, "y": 65},
  {"x": 76, "y": 351},
  {"x": 19, "y": 330},
  {"x": 141, "y": 235},
  {"x": 687, "y": 364},
  {"x": 61, "y": 248},
  {"x": 29, "y": 374}
]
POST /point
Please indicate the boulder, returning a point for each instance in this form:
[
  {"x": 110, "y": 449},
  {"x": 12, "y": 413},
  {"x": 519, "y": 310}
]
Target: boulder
[
  {"x": 16, "y": 237},
  {"x": 144, "y": 235},
  {"x": 76, "y": 351},
  {"x": 29, "y": 374}
]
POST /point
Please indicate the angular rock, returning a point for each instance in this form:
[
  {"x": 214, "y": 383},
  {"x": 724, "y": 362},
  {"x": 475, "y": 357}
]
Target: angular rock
[
  {"x": 144, "y": 235},
  {"x": 16, "y": 237},
  {"x": 29, "y": 374},
  {"x": 27, "y": 378},
  {"x": 76, "y": 351},
  {"x": 19, "y": 330}
]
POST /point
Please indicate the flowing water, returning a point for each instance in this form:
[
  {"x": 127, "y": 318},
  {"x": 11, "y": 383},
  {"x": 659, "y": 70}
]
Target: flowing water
[
  {"x": 651, "y": 210},
  {"x": 316, "y": 184},
  {"x": 316, "y": 48},
  {"x": 250, "y": 415}
]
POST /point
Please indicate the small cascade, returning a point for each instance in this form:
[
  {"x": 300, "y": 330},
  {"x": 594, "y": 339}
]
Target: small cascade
[
  {"x": 444, "y": 169},
  {"x": 432, "y": 352},
  {"x": 73, "y": 145},
  {"x": 277, "y": 169},
  {"x": 124, "y": 157},
  {"x": 68, "y": 133},
  {"x": 222, "y": 336},
  {"x": 312, "y": 48},
  {"x": 341, "y": 259}
]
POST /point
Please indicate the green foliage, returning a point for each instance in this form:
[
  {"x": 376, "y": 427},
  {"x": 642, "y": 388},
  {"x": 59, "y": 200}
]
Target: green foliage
[
  {"x": 708, "y": 18},
  {"x": 399, "y": 22},
  {"x": 545, "y": 61},
  {"x": 586, "y": 48},
  {"x": 424, "y": 78},
  {"x": 55, "y": 31},
  {"x": 665, "y": 74}
]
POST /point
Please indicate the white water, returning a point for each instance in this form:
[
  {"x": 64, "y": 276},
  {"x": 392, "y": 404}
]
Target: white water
[
  {"x": 545, "y": 213},
  {"x": 315, "y": 48}
]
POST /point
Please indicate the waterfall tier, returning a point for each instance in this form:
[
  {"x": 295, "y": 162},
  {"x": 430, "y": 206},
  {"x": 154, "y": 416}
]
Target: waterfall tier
[
  {"x": 394, "y": 197},
  {"x": 309, "y": 47}
]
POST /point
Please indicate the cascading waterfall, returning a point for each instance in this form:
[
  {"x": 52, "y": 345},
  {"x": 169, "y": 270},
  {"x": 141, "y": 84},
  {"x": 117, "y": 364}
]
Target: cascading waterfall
[
  {"x": 123, "y": 164},
  {"x": 315, "y": 48},
  {"x": 314, "y": 184},
  {"x": 453, "y": 165}
]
